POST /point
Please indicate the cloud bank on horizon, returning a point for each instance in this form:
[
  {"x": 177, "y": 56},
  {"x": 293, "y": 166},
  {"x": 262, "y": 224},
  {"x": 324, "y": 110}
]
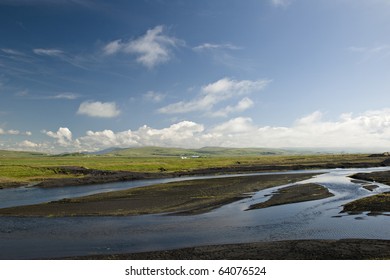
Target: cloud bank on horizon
[{"x": 274, "y": 73}]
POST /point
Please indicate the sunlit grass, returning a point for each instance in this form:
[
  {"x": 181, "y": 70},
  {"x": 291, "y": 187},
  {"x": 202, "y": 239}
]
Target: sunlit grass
[{"x": 33, "y": 167}]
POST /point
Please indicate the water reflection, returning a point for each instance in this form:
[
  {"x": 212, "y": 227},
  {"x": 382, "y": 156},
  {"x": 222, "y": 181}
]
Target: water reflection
[{"x": 58, "y": 237}]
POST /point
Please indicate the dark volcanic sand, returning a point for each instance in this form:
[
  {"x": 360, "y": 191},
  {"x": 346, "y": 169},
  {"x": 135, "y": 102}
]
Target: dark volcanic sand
[
  {"x": 345, "y": 249},
  {"x": 374, "y": 204},
  {"x": 186, "y": 197}
]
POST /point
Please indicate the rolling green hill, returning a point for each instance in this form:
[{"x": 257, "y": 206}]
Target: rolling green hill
[
  {"x": 18, "y": 154},
  {"x": 202, "y": 152}
]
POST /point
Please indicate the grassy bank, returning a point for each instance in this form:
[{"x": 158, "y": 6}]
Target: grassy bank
[
  {"x": 16, "y": 169},
  {"x": 186, "y": 197}
]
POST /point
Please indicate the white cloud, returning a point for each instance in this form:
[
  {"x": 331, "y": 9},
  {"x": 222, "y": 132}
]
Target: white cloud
[
  {"x": 65, "y": 95},
  {"x": 9, "y": 132},
  {"x": 214, "y": 93},
  {"x": 63, "y": 136},
  {"x": 369, "y": 53},
  {"x": 28, "y": 144},
  {"x": 368, "y": 131},
  {"x": 113, "y": 47},
  {"x": 154, "y": 96},
  {"x": 48, "y": 52},
  {"x": 13, "y": 132},
  {"x": 209, "y": 46},
  {"x": 181, "y": 134},
  {"x": 281, "y": 3},
  {"x": 12, "y": 52},
  {"x": 98, "y": 109},
  {"x": 242, "y": 105},
  {"x": 235, "y": 126},
  {"x": 151, "y": 49}
]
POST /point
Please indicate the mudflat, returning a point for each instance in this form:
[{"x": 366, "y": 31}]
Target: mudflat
[
  {"x": 294, "y": 194},
  {"x": 374, "y": 204},
  {"x": 344, "y": 249},
  {"x": 185, "y": 197}
]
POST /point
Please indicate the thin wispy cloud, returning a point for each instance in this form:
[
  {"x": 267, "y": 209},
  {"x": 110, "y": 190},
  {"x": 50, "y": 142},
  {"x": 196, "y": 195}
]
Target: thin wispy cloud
[
  {"x": 209, "y": 46},
  {"x": 9, "y": 132},
  {"x": 48, "y": 52},
  {"x": 241, "y": 106},
  {"x": 65, "y": 95},
  {"x": 151, "y": 49},
  {"x": 154, "y": 96},
  {"x": 77, "y": 60},
  {"x": 12, "y": 52},
  {"x": 369, "y": 53},
  {"x": 84, "y": 3},
  {"x": 214, "y": 93},
  {"x": 281, "y": 3}
]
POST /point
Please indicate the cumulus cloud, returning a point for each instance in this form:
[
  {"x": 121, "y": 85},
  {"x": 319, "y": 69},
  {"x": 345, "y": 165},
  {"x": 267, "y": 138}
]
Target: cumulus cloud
[
  {"x": 28, "y": 144},
  {"x": 214, "y": 93},
  {"x": 181, "y": 134},
  {"x": 63, "y": 136},
  {"x": 98, "y": 109},
  {"x": 151, "y": 49},
  {"x": 235, "y": 126},
  {"x": 368, "y": 131}
]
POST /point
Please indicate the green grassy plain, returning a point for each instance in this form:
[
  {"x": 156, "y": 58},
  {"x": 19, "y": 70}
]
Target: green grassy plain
[{"x": 32, "y": 167}]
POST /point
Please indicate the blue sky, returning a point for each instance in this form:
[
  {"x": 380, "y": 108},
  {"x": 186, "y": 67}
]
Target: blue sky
[{"x": 83, "y": 75}]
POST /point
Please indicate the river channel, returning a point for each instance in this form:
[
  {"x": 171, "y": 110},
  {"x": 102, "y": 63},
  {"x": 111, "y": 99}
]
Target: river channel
[{"x": 37, "y": 238}]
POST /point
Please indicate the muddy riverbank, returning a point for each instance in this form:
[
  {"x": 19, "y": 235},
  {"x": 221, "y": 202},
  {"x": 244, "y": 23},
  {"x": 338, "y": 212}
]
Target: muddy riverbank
[
  {"x": 375, "y": 204},
  {"x": 345, "y": 249},
  {"x": 294, "y": 194},
  {"x": 185, "y": 197}
]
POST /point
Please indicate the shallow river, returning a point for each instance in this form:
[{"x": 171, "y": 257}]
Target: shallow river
[{"x": 29, "y": 238}]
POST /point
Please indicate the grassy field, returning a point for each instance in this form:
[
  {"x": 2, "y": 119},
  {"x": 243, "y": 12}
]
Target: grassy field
[{"x": 32, "y": 167}]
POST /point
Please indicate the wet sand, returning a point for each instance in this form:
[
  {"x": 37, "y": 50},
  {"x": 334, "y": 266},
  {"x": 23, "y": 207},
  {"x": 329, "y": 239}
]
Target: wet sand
[
  {"x": 184, "y": 198},
  {"x": 294, "y": 194},
  {"x": 375, "y": 204}
]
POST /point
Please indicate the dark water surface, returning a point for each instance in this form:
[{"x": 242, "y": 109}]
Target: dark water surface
[{"x": 30, "y": 238}]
